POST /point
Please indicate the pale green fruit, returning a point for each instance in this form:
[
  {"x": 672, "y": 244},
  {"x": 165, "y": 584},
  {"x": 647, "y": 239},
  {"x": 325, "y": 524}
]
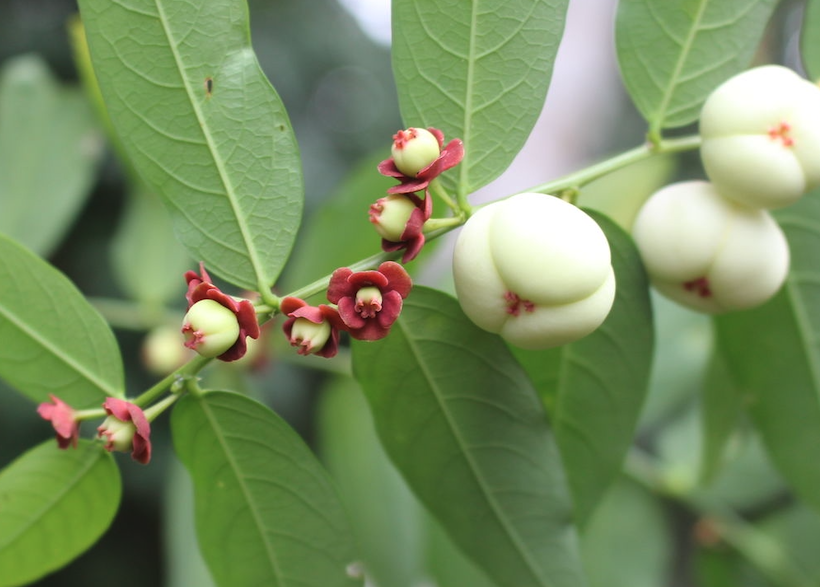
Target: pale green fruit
[
  {"x": 210, "y": 328},
  {"x": 414, "y": 149},
  {"x": 708, "y": 252},
  {"x": 390, "y": 214},
  {"x": 761, "y": 137},
  {"x": 535, "y": 270}
]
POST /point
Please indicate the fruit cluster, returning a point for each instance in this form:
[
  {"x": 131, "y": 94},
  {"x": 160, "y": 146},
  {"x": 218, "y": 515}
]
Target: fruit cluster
[{"x": 713, "y": 246}]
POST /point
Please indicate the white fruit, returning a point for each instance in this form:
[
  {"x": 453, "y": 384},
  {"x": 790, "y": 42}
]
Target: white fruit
[
  {"x": 707, "y": 252},
  {"x": 535, "y": 270},
  {"x": 761, "y": 137}
]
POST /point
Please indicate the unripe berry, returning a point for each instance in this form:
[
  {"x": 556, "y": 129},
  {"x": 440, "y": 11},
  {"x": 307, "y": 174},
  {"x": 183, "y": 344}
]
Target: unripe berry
[
  {"x": 535, "y": 270},
  {"x": 210, "y": 328},
  {"x": 414, "y": 149},
  {"x": 707, "y": 252},
  {"x": 761, "y": 137},
  {"x": 390, "y": 215},
  {"x": 309, "y": 336}
]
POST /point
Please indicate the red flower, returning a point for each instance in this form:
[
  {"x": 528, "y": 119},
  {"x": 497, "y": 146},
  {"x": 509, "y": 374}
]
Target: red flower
[
  {"x": 412, "y": 236},
  {"x": 369, "y": 301},
  {"x": 126, "y": 428},
  {"x": 448, "y": 157},
  {"x": 315, "y": 330},
  {"x": 201, "y": 288},
  {"x": 61, "y": 416}
]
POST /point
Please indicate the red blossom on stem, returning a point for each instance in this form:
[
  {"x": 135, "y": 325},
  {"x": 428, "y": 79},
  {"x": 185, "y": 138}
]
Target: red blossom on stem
[
  {"x": 450, "y": 156},
  {"x": 369, "y": 301},
  {"x": 200, "y": 288},
  {"x": 63, "y": 419},
  {"x": 412, "y": 238},
  {"x": 126, "y": 428},
  {"x": 313, "y": 329}
]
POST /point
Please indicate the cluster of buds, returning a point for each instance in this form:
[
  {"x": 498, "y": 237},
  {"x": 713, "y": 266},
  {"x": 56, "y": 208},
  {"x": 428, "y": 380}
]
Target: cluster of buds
[
  {"x": 713, "y": 246},
  {"x": 418, "y": 157},
  {"x": 126, "y": 429},
  {"x": 367, "y": 305}
]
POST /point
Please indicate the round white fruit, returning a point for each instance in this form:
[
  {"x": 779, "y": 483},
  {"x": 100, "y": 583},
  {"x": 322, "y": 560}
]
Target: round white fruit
[
  {"x": 707, "y": 252},
  {"x": 535, "y": 270},
  {"x": 761, "y": 137}
]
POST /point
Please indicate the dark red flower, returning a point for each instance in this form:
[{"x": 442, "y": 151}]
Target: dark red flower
[
  {"x": 369, "y": 301},
  {"x": 314, "y": 329},
  {"x": 412, "y": 236},
  {"x": 126, "y": 428},
  {"x": 448, "y": 157},
  {"x": 63, "y": 419},
  {"x": 201, "y": 288}
]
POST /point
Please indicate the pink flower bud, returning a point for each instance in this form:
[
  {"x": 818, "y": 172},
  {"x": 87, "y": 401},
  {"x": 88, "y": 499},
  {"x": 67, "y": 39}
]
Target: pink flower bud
[
  {"x": 63, "y": 419},
  {"x": 314, "y": 330},
  {"x": 126, "y": 429}
]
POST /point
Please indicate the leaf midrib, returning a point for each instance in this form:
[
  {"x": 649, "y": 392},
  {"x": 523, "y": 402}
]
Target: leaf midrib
[
  {"x": 657, "y": 124},
  {"x": 274, "y": 563},
  {"x": 468, "y": 103},
  {"x": 230, "y": 191},
  {"x": 68, "y": 487},
  {"x": 58, "y": 353},
  {"x": 473, "y": 467}
]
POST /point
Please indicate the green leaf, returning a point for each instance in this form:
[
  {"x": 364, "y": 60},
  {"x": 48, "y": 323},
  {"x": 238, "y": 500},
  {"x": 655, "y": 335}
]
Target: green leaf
[
  {"x": 54, "y": 341},
  {"x": 204, "y": 128},
  {"x": 615, "y": 555},
  {"x": 448, "y": 566},
  {"x": 810, "y": 39},
  {"x": 55, "y": 505},
  {"x": 461, "y": 421},
  {"x": 479, "y": 71},
  {"x": 148, "y": 261},
  {"x": 773, "y": 356},
  {"x": 386, "y": 518},
  {"x": 266, "y": 511},
  {"x": 721, "y": 409},
  {"x": 595, "y": 387},
  {"x": 49, "y": 150},
  {"x": 673, "y": 53}
]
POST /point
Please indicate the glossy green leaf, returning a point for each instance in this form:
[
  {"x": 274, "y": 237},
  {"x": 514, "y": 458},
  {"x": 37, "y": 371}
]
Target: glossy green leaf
[
  {"x": 386, "y": 518},
  {"x": 773, "y": 355},
  {"x": 203, "y": 127},
  {"x": 148, "y": 261},
  {"x": 673, "y": 53},
  {"x": 594, "y": 388},
  {"x": 614, "y": 554},
  {"x": 479, "y": 71},
  {"x": 266, "y": 511},
  {"x": 54, "y": 341},
  {"x": 810, "y": 39},
  {"x": 721, "y": 409},
  {"x": 463, "y": 424},
  {"x": 49, "y": 149},
  {"x": 54, "y": 504},
  {"x": 448, "y": 567}
]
